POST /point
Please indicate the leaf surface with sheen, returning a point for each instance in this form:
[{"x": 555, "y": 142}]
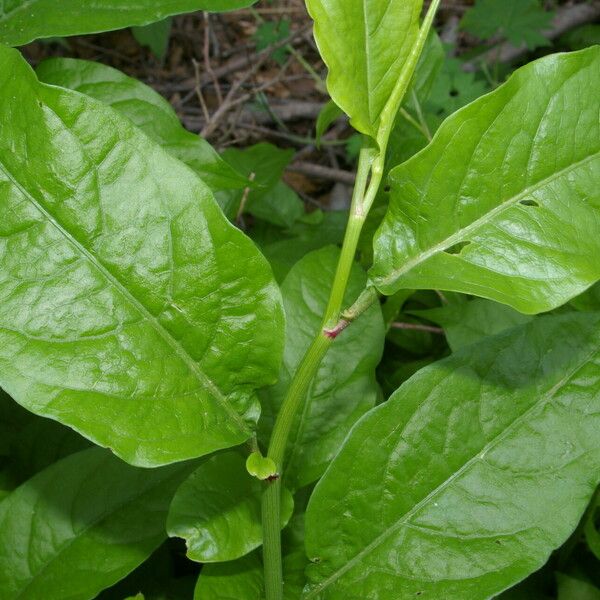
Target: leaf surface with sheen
[
  {"x": 145, "y": 108},
  {"x": 365, "y": 44},
  {"x": 130, "y": 309},
  {"x": 22, "y": 21},
  {"x": 464, "y": 481},
  {"x": 78, "y": 537},
  {"x": 505, "y": 202}
]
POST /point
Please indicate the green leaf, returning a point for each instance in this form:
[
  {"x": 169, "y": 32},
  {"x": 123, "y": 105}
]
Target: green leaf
[
  {"x": 469, "y": 476},
  {"x": 269, "y": 199},
  {"x": 504, "y": 202},
  {"x": 519, "y": 21},
  {"x": 150, "y": 319},
  {"x": 365, "y": 45},
  {"x": 146, "y": 109},
  {"x": 217, "y": 510},
  {"x": 570, "y": 588},
  {"x": 243, "y": 578},
  {"x": 154, "y": 36},
  {"x": 330, "y": 113},
  {"x": 344, "y": 387},
  {"x": 23, "y": 21},
  {"x": 470, "y": 322},
  {"x": 81, "y": 525}
]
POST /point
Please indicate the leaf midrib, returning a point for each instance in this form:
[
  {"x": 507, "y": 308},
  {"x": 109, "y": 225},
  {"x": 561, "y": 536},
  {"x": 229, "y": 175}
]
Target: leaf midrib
[
  {"x": 192, "y": 365},
  {"x": 402, "y": 520},
  {"x": 459, "y": 235}
]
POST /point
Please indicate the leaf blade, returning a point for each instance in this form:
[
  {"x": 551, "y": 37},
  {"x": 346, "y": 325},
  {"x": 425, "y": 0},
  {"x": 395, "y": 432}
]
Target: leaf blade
[
  {"x": 151, "y": 320},
  {"x": 79, "y": 538},
  {"x": 27, "y": 20},
  {"x": 515, "y": 221},
  {"x": 145, "y": 108},
  {"x": 477, "y": 468},
  {"x": 354, "y": 41}
]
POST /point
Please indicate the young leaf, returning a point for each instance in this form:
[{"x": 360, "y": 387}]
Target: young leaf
[
  {"x": 81, "y": 525},
  {"x": 146, "y": 109},
  {"x": 504, "y": 202},
  {"x": 470, "y": 322},
  {"x": 243, "y": 579},
  {"x": 217, "y": 510},
  {"x": 149, "y": 319},
  {"x": 23, "y": 21},
  {"x": 365, "y": 44},
  {"x": 519, "y": 21},
  {"x": 469, "y": 476},
  {"x": 344, "y": 387}
]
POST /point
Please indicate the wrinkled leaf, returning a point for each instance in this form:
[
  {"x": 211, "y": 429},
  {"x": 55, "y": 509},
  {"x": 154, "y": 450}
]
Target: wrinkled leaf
[
  {"x": 344, "y": 387},
  {"x": 22, "y": 21},
  {"x": 470, "y": 322},
  {"x": 217, "y": 510},
  {"x": 74, "y": 539},
  {"x": 146, "y": 109},
  {"x": 469, "y": 476},
  {"x": 504, "y": 203},
  {"x": 365, "y": 44},
  {"x": 130, "y": 309}
]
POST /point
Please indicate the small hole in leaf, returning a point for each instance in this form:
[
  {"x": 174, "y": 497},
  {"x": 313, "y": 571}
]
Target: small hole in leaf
[
  {"x": 419, "y": 594},
  {"x": 499, "y": 542},
  {"x": 457, "y": 248},
  {"x": 529, "y": 203},
  {"x": 454, "y": 93},
  {"x": 387, "y": 188}
]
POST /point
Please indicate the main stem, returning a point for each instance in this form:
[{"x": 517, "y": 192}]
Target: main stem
[
  {"x": 371, "y": 162},
  {"x": 271, "y": 506}
]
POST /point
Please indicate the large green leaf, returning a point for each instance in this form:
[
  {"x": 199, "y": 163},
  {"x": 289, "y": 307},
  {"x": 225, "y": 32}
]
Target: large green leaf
[
  {"x": 130, "y": 309},
  {"x": 81, "y": 525},
  {"x": 365, "y": 44},
  {"x": 469, "y": 476},
  {"x": 22, "y": 21},
  {"x": 146, "y": 109},
  {"x": 217, "y": 510},
  {"x": 344, "y": 387},
  {"x": 505, "y": 202}
]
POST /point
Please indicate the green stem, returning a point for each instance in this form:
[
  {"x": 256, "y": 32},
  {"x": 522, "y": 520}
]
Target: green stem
[{"x": 371, "y": 162}]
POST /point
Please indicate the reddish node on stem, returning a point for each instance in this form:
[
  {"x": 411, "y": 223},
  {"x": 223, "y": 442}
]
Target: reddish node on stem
[{"x": 335, "y": 331}]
